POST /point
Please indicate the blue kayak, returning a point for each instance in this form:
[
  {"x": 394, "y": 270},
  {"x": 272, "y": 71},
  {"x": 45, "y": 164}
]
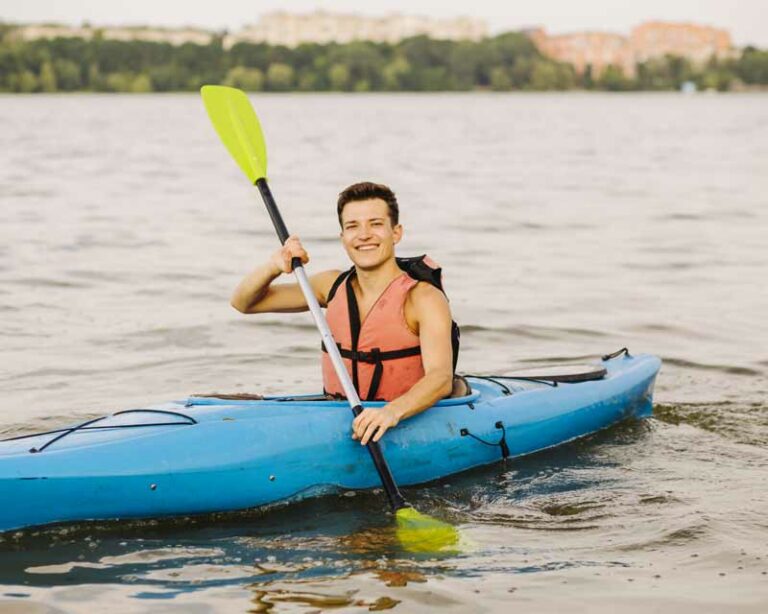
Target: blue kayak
[{"x": 207, "y": 454}]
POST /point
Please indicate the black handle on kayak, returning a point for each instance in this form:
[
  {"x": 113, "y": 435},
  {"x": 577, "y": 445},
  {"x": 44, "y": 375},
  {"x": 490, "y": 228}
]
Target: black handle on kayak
[
  {"x": 396, "y": 500},
  {"x": 274, "y": 214}
]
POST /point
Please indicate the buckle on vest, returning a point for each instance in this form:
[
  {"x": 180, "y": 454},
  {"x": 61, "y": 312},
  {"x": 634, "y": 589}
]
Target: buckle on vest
[{"x": 373, "y": 356}]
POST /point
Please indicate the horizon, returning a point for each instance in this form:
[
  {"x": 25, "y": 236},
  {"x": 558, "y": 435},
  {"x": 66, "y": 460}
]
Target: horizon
[{"x": 745, "y": 28}]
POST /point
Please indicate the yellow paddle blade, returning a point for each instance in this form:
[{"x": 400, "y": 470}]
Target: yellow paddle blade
[
  {"x": 421, "y": 533},
  {"x": 238, "y": 127}
]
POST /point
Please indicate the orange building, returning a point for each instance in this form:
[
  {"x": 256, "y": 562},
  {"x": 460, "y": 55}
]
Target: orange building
[
  {"x": 654, "y": 39},
  {"x": 649, "y": 40}
]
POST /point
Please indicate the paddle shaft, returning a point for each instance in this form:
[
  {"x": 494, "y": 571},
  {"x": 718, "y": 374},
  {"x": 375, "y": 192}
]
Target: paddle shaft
[{"x": 396, "y": 500}]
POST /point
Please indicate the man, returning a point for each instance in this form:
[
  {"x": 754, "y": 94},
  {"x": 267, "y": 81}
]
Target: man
[{"x": 395, "y": 332}]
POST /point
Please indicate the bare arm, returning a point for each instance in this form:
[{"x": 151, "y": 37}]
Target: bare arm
[
  {"x": 256, "y": 294},
  {"x": 433, "y": 316}
]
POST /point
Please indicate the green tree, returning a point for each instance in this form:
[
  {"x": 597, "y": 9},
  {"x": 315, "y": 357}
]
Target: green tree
[
  {"x": 433, "y": 79},
  {"x": 665, "y": 73},
  {"x": 47, "y": 77},
  {"x": 339, "y": 77},
  {"x": 67, "y": 75},
  {"x": 587, "y": 79},
  {"x": 27, "y": 82},
  {"x": 248, "y": 79},
  {"x": 95, "y": 79},
  {"x": 521, "y": 72},
  {"x": 715, "y": 79},
  {"x": 395, "y": 72},
  {"x": 752, "y": 66},
  {"x": 544, "y": 76},
  {"x": 466, "y": 61},
  {"x": 310, "y": 81},
  {"x": 280, "y": 77},
  {"x": 500, "y": 80},
  {"x": 250, "y": 55},
  {"x": 118, "y": 82},
  {"x": 140, "y": 84},
  {"x": 511, "y": 46},
  {"x": 613, "y": 80},
  {"x": 364, "y": 60},
  {"x": 165, "y": 78}
]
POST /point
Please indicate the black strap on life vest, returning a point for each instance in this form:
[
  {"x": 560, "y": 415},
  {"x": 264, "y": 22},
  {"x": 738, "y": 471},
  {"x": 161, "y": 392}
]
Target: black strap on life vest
[{"x": 417, "y": 269}]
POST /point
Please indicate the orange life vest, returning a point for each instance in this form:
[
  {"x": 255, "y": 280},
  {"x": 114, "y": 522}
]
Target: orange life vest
[{"x": 382, "y": 355}]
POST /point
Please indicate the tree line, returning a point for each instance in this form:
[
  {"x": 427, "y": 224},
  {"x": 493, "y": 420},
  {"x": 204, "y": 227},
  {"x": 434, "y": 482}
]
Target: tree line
[{"x": 506, "y": 62}]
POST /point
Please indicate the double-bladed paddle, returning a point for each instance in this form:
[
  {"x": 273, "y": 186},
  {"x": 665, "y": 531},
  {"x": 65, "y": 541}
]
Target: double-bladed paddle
[{"x": 240, "y": 131}]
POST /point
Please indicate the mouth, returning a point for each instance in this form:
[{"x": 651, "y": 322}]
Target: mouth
[{"x": 366, "y": 248}]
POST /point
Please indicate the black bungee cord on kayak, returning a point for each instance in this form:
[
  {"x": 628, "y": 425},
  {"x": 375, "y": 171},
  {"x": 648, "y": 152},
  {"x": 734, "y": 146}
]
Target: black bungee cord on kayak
[
  {"x": 616, "y": 354},
  {"x": 494, "y": 379},
  {"x": 502, "y": 443},
  {"x": 87, "y": 426}
]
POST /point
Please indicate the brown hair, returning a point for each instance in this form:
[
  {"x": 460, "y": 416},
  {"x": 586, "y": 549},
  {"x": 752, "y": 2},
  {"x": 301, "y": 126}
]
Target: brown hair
[{"x": 366, "y": 190}]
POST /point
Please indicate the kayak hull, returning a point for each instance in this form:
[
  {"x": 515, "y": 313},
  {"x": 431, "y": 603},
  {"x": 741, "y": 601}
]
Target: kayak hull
[{"x": 211, "y": 455}]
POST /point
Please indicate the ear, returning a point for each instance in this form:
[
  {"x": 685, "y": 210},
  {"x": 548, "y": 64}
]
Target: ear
[{"x": 397, "y": 233}]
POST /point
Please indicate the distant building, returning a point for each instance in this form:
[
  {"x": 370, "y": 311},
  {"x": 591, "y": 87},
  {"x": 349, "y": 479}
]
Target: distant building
[
  {"x": 177, "y": 36},
  {"x": 697, "y": 43},
  {"x": 649, "y": 40},
  {"x": 290, "y": 29},
  {"x": 596, "y": 49}
]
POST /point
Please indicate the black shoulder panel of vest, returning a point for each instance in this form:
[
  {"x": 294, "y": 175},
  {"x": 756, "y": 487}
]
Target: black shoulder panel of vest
[
  {"x": 421, "y": 271},
  {"x": 337, "y": 283}
]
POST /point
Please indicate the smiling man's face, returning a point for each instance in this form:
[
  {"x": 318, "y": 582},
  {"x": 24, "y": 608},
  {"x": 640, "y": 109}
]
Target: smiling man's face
[{"x": 367, "y": 232}]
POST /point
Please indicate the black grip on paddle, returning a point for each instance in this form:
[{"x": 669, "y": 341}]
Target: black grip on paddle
[
  {"x": 396, "y": 500},
  {"x": 277, "y": 219},
  {"x": 274, "y": 212}
]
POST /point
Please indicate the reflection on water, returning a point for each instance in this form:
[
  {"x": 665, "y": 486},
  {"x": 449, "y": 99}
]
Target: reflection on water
[{"x": 568, "y": 226}]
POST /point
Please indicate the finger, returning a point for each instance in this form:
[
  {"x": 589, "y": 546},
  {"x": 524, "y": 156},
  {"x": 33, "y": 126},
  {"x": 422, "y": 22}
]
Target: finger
[
  {"x": 368, "y": 433},
  {"x": 359, "y": 424},
  {"x": 284, "y": 263},
  {"x": 300, "y": 253},
  {"x": 380, "y": 433},
  {"x": 359, "y": 418},
  {"x": 362, "y": 428}
]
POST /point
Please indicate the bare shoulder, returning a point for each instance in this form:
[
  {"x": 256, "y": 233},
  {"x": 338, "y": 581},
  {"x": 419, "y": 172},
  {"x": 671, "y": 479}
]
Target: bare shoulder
[
  {"x": 424, "y": 292},
  {"x": 322, "y": 282},
  {"x": 425, "y": 301}
]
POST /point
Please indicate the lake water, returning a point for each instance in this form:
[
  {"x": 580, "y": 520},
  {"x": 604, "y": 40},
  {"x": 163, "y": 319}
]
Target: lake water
[{"x": 568, "y": 225}]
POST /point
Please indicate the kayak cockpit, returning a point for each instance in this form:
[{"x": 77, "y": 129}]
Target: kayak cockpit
[{"x": 307, "y": 399}]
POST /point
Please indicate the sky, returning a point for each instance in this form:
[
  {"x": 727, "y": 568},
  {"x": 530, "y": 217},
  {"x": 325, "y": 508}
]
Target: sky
[{"x": 743, "y": 18}]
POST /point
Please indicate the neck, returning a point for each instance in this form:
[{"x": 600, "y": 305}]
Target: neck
[{"x": 375, "y": 280}]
